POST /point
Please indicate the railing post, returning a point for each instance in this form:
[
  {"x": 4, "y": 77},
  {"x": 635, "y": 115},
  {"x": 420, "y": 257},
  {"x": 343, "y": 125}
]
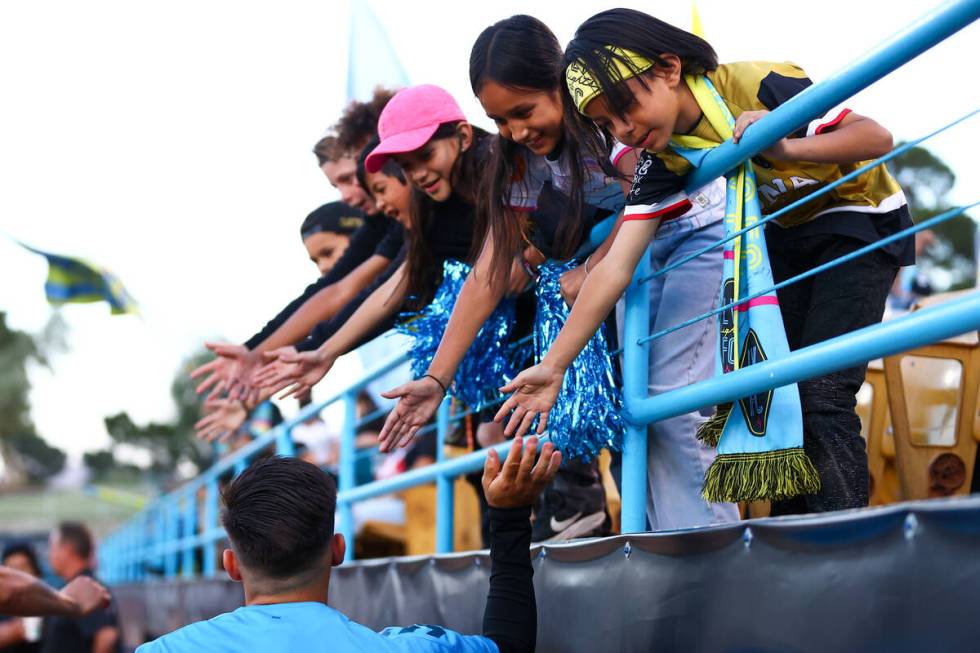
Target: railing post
[
  {"x": 636, "y": 378},
  {"x": 187, "y": 536},
  {"x": 210, "y": 523},
  {"x": 444, "y": 484},
  {"x": 172, "y": 523},
  {"x": 347, "y": 470},
  {"x": 159, "y": 535},
  {"x": 284, "y": 442}
]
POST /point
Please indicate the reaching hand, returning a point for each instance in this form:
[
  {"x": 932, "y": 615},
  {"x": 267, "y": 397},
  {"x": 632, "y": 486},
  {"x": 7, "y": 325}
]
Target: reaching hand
[
  {"x": 519, "y": 481},
  {"x": 294, "y": 370},
  {"x": 233, "y": 370},
  {"x": 224, "y": 418},
  {"x": 87, "y": 595},
  {"x": 535, "y": 390},
  {"x": 417, "y": 402}
]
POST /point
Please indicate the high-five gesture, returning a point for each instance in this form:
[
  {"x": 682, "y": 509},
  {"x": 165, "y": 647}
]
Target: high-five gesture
[{"x": 519, "y": 481}]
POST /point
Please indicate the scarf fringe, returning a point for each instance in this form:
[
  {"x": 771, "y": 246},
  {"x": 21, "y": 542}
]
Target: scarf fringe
[
  {"x": 709, "y": 433},
  {"x": 773, "y": 475}
]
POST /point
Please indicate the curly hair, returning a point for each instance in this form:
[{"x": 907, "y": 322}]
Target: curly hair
[{"x": 359, "y": 122}]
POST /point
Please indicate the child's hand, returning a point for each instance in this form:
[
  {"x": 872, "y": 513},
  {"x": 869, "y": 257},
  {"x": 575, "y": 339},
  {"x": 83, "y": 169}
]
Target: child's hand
[
  {"x": 519, "y": 481},
  {"x": 781, "y": 150},
  {"x": 744, "y": 120},
  {"x": 535, "y": 390},
  {"x": 291, "y": 368},
  {"x": 231, "y": 371},
  {"x": 417, "y": 402},
  {"x": 224, "y": 418},
  {"x": 571, "y": 283}
]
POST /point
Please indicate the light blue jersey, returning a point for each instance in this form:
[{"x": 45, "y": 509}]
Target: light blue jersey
[{"x": 311, "y": 628}]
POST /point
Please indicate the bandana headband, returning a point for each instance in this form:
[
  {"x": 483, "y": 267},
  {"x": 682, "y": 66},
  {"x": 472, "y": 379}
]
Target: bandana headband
[{"x": 584, "y": 88}]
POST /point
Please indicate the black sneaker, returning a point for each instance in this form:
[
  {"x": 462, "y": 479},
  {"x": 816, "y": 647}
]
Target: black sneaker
[{"x": 567, "y": 510}]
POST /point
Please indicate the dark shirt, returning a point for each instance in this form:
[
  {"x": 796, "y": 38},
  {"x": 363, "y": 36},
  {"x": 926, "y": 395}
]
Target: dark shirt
[
  {"x": 550, "y": 217},
  {"x": 379, "y": 235},
  {"x": 62, "y": 634}
]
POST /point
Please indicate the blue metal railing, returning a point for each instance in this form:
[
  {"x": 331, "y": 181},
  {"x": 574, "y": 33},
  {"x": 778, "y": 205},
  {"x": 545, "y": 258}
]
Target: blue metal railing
[{"x": 166, "y": 536}]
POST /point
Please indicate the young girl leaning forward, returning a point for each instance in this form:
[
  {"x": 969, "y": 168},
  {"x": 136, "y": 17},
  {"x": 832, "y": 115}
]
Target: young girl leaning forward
[
  {"x": 638, "y": 71},
  {"x": 515, "y": 68}
]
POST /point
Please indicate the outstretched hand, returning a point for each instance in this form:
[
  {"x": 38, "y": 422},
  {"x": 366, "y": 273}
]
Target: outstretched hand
[
  {"x": 535, "y": 391},
  {"x": 417, "y": 402},
  {"x": 519, "y": 481},
  {"x": 293, "y": 371},
  {"x": 231, "y": 371},
  {"x": 224, "y": 417}
]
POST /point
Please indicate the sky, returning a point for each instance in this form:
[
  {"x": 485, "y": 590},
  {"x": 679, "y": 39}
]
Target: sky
[{"x": 170, "y": 142}]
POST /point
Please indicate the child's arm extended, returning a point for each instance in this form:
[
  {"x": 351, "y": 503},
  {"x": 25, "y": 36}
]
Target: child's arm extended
[
  {"x": 419, "y": 399},
  {"x": 536, "y": 388},
  {"x": 855, "y": 138}
]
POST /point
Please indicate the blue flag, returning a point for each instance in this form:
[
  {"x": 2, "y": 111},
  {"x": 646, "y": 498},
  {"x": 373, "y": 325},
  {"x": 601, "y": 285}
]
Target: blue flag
[{"x": 74, "y": 281}]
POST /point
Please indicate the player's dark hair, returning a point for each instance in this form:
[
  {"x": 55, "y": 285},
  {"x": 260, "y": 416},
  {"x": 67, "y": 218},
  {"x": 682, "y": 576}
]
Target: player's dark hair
[
  {"x": 279, "y": 515},
  {"x": 24, "y": 549},
  {"x": 77, "y": 536}
]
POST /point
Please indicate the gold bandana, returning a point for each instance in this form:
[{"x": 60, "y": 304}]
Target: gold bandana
[{"x": 584, "y": 88}]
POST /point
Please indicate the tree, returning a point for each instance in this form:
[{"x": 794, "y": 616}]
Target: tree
[
  {"x": 169, "y": 444},
  {"x": 927, "y": 180},
  {"x": 27, "y": 455}
]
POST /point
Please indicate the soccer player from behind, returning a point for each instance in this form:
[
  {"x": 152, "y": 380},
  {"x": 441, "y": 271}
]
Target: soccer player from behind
[{"x": 279, "y": 516}]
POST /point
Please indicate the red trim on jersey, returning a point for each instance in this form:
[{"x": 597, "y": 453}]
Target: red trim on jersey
[
  {"x": 523, "y": 209},
  {"x": 620, "y": 155},
  {"x": 822, "y": 127},
  {"x": 667, "y": 213}
]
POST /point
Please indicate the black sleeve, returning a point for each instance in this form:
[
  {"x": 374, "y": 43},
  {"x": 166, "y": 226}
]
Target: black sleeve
[
  {"x": 325, "y": 330},
  {"x": 776, "y": 89},
  {"x": 511, "y": 616},
  {"x": 375, "y": 236},
  {"x": 550, "y": 218}
]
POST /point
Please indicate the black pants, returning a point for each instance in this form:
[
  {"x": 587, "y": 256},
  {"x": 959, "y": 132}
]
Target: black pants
[{"x": 834, "y": 302}]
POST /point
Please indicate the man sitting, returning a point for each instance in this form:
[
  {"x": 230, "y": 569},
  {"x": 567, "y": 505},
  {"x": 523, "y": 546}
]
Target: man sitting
[{"x": 279, "y": 516}]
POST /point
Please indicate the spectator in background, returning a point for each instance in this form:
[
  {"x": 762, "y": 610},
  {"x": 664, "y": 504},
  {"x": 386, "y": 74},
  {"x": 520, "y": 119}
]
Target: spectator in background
[
  {"x": 320, "y": 442},
  {"x": 327, "y": 231},
  {"x": 20, "y": 635},
  {"x": 70, "y": 555}
]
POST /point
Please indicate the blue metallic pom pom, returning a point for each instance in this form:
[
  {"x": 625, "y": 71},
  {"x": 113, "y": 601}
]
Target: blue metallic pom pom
[
  {"x": 487, "y": 365},
  {"x": 587, "y": 416}
]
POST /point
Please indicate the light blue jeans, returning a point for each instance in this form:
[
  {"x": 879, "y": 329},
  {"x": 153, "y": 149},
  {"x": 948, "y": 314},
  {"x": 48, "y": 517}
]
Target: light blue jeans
[{"x": 676, "y": 460}]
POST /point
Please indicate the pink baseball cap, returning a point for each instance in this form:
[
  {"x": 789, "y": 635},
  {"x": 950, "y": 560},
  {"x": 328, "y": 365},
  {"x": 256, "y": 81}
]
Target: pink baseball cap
[{"x": 410, "y": 119}]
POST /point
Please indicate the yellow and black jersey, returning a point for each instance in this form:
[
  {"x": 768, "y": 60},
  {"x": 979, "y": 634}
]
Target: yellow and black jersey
[{"x": 751, "y": 86}]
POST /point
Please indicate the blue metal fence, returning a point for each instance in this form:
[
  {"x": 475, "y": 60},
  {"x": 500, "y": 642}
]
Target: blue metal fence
[{"x": 166, "y": 537}]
